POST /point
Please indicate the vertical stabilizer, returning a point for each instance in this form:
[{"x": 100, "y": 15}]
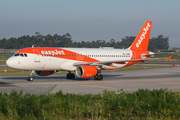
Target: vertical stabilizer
[{"x": 142, "y": 40}]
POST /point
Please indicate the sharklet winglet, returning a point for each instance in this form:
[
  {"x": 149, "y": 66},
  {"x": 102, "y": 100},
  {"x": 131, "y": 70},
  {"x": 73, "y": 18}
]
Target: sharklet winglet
[{"x": 169, "y": 58}]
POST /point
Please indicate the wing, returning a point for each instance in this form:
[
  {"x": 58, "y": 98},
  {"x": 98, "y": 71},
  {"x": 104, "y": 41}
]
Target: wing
[{"x": 117, "y": 61}]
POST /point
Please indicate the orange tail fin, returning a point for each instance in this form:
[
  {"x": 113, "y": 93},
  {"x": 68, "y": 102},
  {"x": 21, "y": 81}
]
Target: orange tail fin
[{"x": 142, "y": 40}]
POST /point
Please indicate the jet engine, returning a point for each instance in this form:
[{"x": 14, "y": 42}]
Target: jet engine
[
  {"x": 86, "y": 71},
  {"x": 44, "y": 73}
]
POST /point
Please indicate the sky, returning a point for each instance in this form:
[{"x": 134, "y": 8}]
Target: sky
[{"x": 88, "y": 20}]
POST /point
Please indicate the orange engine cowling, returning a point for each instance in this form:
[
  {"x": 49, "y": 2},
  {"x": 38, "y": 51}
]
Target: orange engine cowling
[
  {"x": 86, "y": 71},
  {"x": 44, "y": 73}
]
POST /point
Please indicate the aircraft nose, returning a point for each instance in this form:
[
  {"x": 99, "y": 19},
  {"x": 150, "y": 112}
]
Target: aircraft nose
[{"x": 9, "y": 62}]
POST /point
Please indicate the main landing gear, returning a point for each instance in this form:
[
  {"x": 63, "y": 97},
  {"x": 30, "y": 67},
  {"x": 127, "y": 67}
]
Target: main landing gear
[
  {"x": 98, "y": 77},
  {"x": 70, "y": 75},
  {"x": 30, "y": 78}
]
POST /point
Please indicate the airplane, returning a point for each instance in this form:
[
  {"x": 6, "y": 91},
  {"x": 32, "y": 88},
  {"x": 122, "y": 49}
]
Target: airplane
[{"x": 86, "y": 62}]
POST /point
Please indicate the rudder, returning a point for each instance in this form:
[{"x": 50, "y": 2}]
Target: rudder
[{"x": 142, "y": 40}]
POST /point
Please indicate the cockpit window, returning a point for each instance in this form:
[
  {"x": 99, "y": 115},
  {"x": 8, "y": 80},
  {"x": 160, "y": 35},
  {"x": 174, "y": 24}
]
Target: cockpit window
[
  {"x": 16, "y": 54},
  {"x": 21, "y": 54}
]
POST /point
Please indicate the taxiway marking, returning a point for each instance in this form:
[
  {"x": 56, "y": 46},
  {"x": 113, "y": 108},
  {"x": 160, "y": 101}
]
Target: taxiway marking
[
  {"x": 169, "y": 83},
  {"x": 25, "y": 86},
  {"x": 98, "y": 86}
]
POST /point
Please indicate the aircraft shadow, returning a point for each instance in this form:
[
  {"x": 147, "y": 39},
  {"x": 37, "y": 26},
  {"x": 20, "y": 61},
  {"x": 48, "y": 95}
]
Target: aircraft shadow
[
  {"x": 56, "y": 77},
  {"x": 5, "y": 84}
]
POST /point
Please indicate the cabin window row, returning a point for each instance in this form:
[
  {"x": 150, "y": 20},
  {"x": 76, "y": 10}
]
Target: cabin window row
[{"x": 87, "y": 55}]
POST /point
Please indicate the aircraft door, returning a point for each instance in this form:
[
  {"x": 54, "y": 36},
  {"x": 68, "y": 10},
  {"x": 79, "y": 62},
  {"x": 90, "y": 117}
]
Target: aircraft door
[{"x": 36, "y": 55}]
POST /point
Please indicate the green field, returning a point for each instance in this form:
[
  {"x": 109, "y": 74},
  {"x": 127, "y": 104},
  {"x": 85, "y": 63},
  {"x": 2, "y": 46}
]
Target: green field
[
  {"x": 4, "y": 57},
  {"x": 142, "y": 104},
  {"x": 174, "y": 58}
]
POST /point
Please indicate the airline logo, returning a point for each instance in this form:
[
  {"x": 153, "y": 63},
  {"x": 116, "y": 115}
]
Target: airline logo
[
  {"x": 143, "y": 35},
  {"x": 55, "y": 52}
]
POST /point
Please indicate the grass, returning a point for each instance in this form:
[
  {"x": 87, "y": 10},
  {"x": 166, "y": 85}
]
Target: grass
[
  {"x": 142, "y": 104},
  {"x": 174, "y": 58},
  {"x": 12, "y": 72},
  {"x": 4, "y": 57},
  {"x": 140, "y": 67}
]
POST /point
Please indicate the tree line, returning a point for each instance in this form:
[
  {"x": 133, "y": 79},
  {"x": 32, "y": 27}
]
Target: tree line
[{"x": 38, "y": 40}]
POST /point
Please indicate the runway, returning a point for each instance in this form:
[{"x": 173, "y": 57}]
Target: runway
[{"x": 129, "y": 81}]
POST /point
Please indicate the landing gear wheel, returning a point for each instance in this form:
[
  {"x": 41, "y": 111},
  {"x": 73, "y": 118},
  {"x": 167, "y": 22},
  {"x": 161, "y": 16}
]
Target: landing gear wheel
[
  {"x": 98, "y": 77},
  {"x": 95, "y": 77},
  {"x": 30, "y": 79},
  {"x": 70, "y": 76}
]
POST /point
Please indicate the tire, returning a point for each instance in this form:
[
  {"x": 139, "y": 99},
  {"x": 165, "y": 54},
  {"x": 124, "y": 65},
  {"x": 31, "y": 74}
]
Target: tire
[
  {"x": 68, "y": 76},
  {"x": 95, "y": 77},
  {"x": 72, "y": 76},
  {"x": 30, "y": 79},
  {"x": 99, "y": 77}
]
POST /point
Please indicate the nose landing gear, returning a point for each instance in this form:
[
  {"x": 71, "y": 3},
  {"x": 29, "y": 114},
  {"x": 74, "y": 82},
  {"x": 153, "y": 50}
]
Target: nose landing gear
[{"x": 30, "y": 78}]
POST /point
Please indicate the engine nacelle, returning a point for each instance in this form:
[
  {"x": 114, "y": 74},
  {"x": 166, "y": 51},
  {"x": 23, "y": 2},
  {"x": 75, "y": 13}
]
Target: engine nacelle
[
  {"x": 44, "y": 73},
  {"x": 86, "y": 71}
]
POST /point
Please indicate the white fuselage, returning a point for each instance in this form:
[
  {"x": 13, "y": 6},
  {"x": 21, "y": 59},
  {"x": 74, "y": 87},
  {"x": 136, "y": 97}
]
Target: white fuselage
[{"x": 54, "y": 62}]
